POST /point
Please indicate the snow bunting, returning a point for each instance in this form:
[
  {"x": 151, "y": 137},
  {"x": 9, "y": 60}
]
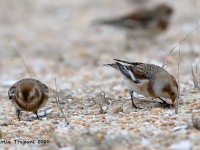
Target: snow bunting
[
  {"x": 28, "y": 95},
  {"x": 145, "y": 22},
  {"x": 148, "y": 80}
]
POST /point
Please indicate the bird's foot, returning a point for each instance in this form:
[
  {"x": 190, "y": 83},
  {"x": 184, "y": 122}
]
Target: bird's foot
[
  {"x": 37, "y": 115},
  {"x": 165, "y": 105},
  {"x": 134, "y": 106}
]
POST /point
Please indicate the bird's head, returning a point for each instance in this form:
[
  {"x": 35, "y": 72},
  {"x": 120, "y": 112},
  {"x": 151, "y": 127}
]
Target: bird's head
[
  {"x": 164, "y": 10},
  {"x": 170, "y": 89}
]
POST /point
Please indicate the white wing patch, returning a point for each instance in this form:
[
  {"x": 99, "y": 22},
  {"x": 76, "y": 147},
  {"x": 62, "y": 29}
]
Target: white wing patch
[{"x": 132, "y": 76}]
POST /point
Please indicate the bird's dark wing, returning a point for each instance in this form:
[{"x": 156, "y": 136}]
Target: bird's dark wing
[
  {"x": 143, "y": 71},
  {"x": 132, "y": 20},
  {"x": 126, "y": 71},
  {"x": 141, "y": 16},
  {"x": 43, "y": 87},
  {"x": 12, "y": 90}
]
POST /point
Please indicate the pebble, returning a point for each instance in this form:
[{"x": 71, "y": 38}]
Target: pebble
[{"x": 156, "y": 111}]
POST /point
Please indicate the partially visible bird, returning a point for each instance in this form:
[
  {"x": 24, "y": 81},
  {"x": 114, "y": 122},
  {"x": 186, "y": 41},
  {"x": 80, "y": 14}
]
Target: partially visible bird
[
  {"x": 144, "y": 22},
  {"x": 28, "y": 95},
  {"x": 148, "y": 80}
]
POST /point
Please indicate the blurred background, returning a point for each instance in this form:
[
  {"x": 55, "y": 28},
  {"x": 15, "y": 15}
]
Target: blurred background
[{"x": 58, "y": 39}]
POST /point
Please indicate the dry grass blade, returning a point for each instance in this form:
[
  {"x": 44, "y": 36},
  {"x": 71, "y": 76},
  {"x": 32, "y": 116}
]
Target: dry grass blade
[
  {"x": 58, "y": 104},
  {"x": 196, "y": 85},
  {"x": 101, "y": 111},
  {"x": 177, "y": 101},
  {"x": 164, "y": 63},
  {"x": 195, "y": 122},
  {"x": 187, "y": 84},
  {"x": 188, "y": 35},
  {"x": 104, "y": 98}
]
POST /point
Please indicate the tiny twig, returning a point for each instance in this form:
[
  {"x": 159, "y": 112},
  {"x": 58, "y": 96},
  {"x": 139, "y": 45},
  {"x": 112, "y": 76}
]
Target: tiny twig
[
  {"x": 186, "y": 83},
  {"x": 177, "y": 101},
  {"x": 180, "y": 43},
  {"x": 188, "y": 35},
  {"x": 101, "y": 111},
  {"x": 164, "y": 63},
  {"x": 58, "y": 104}
]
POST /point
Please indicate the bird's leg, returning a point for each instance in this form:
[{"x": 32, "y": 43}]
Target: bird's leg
[
  {"x": 37, "y": 115},
  {"x": 17, "y": 112},
  {"x": 45, "y": 112},
  {"x": 133, "y": 104},
  {"x": 165, "y": 104}
]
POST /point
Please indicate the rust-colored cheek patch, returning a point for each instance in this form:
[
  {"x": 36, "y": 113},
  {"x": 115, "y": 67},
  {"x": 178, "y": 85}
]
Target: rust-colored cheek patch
[
  {"x": 167, "y": 89},
  {"x": 173, "y": 98},
  {"x": 163, "y": 25}
]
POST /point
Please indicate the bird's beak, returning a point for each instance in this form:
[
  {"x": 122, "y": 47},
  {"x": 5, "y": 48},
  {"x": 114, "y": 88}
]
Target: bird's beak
[{"x": 173, "y": 99}]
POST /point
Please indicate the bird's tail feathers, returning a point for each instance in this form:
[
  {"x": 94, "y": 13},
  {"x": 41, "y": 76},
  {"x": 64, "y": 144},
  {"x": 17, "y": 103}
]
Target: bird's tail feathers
[
  {"x": 127, "y": 62},
  {"x": 114, "y": 22}
]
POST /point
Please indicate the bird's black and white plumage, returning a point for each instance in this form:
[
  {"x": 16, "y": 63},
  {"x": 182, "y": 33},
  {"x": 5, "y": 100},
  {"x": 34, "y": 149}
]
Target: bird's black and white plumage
[{"x": 147, "y": 79}]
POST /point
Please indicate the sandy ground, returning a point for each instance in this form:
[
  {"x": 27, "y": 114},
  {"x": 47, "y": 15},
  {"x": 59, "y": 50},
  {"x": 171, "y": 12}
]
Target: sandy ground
[{"x": 56, "y": 39}]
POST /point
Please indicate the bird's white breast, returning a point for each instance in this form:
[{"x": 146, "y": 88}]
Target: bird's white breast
[{"x": 140, "y": 88}]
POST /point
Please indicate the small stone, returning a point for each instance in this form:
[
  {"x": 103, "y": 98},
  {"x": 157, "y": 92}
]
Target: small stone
[
  {"x": 123, "y": 126},
  {"x": 117, "y": 109},
  {"x": 99, "y": 137}
]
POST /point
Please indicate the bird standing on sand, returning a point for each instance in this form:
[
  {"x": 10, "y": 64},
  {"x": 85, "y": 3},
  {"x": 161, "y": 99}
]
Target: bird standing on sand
[
  {"x": 148, "y": 80},
  {"x": 28, "y": 95}
]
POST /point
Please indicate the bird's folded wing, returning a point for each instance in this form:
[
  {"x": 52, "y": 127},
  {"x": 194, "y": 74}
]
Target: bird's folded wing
[
  {"x": 126, "y": 71},
  {"x": 43, "y": 87},
  {"x": 142, "y": 16},
  {"x": 12, "y": 90},
  {"x": 143, "y": 71}
]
